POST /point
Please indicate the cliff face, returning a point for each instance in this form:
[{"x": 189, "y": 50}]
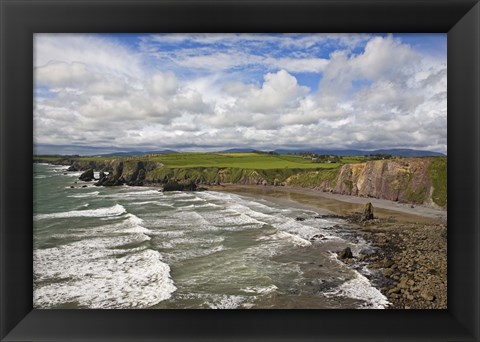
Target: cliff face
[
  {"x": 408, "y": 180},
  {"x": 399, "y": 180}
]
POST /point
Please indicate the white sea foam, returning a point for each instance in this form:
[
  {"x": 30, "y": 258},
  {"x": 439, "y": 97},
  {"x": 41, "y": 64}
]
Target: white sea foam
[
  {"x": 87, "y": 194},
  {"x": 115, "y": 210},
  {"x": 159, "y": 203},
  {"x": 128, "y": 193},
  {"x": 294, "y": 238},
  {"x": 96, "y": 280},
  {"x": 101, "y": 271},
  {"x": 361, "y": 288},
  {"x": 260, "y": 289},
  {"x": 74, "y": 174},
  {"x": 211, "y": 195},
  {"x": 185, "y": 220},
  {"x": 229, "y": 219},
  {"x": 226, "y": 302}
]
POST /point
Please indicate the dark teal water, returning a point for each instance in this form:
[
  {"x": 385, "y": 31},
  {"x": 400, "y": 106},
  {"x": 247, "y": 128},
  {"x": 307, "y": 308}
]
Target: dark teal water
[{"x": 135, "y": 247}]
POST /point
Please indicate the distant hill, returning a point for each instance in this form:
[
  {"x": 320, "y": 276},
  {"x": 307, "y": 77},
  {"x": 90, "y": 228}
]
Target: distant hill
[
  {"x": 238, "y": 150},
  {"x": 136, "y": 153},
  {"x": 393, "y": 152}
]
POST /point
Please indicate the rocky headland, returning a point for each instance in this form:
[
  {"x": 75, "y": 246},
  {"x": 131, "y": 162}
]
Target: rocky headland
[{"x": 405, "y": 180}]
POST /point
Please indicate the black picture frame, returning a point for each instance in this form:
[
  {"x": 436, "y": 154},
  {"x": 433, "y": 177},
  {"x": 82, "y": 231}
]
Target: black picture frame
[{"x": 20, "y": 19}]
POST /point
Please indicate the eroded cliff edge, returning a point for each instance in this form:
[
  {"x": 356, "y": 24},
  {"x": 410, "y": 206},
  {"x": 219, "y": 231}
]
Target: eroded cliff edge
[{"x": 408, "y": 180}]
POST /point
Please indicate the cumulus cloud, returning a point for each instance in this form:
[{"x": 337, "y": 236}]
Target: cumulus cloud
[{"x": 175, "y": 91}]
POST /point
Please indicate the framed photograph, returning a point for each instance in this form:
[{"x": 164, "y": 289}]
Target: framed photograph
[{"x": 269, "y": 115}]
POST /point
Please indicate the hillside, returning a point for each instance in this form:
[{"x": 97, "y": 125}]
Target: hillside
[{"x": 409, "y": 180}]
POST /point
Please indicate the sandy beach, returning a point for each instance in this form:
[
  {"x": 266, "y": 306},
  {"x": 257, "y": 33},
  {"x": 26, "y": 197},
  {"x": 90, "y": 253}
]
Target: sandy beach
[
  {"x": 342, "y": 204},
  {"x": 409, "y": 265}
]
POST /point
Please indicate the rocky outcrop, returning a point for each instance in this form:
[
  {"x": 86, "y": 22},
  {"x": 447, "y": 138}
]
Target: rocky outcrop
[
  {"x": 367, "y": 212},
  {"x": 139, "y": 179},
  {"x": 403, "y": 180},
  {"x": 345, "y": 253},
  {"x": 176, "y": 186},
  {"x": 406, "y": 180},
  {"x": 87, "y": 176}
]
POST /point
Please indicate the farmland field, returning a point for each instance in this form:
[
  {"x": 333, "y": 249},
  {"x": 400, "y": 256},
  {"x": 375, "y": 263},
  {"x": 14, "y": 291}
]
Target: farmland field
[
  {"x": 238, "y": 160},
  {"x": 258, "y": 161}
]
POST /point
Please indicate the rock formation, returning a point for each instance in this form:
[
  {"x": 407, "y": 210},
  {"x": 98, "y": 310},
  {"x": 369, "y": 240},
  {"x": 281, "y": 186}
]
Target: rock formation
[
  {"x": 367, "y": 212},
  {"x": 346, "y": 253},
  {"x": 87, "y": 176}
]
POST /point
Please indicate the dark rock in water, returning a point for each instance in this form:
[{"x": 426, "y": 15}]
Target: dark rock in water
[
  {"x": 87, "y": 176},
  {"x": 84, "y": 186},
  {"x": 175, "y": 186},
  {"x": 346, "y": 253},
  {"x": 72, "y": 168},
  {"x": 327, "y": 216},
  {"x": 367, "y": 212},
  {"x": 102, "y": 179},
  {"x": 299, "y": 219},
  {"x": 318, "y": 237},
  {"x": 71, "y": 187}
]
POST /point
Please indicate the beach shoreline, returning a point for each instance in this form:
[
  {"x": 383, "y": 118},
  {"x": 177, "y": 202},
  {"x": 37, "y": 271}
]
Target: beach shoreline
[
  {"x": 342, "y": 204},
  {"x": 409, "y": 265}
]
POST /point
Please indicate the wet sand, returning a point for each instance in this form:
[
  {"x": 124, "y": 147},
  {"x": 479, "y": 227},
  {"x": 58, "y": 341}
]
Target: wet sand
[
  {"x": 409, "y": 265},
  {"x": 341, "y": 204}
]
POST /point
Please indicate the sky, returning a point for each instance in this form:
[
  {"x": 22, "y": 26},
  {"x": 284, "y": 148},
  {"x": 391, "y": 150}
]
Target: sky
[{"x": 102, "y": 93}]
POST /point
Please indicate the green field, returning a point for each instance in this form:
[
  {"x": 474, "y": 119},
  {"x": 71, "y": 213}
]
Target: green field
[
  {"x": 224, "y": 160},
  {"x": 238, "y": 160}
]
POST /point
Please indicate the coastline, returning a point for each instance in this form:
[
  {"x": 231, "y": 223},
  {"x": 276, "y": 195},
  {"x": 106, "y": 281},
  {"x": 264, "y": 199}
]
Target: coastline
[
  {"x": 409, "y": 265},
  {"x": 342, "y": 204}
]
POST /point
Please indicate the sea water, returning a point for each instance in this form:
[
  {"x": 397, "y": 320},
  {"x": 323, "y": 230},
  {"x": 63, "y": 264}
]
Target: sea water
[{"x": 136, "y": 247}]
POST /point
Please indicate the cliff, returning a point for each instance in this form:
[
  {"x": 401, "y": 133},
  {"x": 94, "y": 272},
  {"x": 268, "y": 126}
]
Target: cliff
[{"x": 408, "y": 180}]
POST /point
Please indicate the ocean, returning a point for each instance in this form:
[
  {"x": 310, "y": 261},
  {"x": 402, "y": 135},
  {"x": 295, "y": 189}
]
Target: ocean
[{"x": 136, "y": 247}]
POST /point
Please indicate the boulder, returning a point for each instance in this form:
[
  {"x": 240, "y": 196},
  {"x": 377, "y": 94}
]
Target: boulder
[
  {"x": 345, "y": 253},
  {"x": 87, "y": 176},
  {"x": 176, "y": 186},
  {"x": 72, "y": 168},
  {"x": 367, "y": 212},
  {"x": 317, "y": 237},
  {"x": 427, "y": 296}
]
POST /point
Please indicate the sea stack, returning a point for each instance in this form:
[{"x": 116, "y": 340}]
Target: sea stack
[{"x": 368, "y": 212}]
